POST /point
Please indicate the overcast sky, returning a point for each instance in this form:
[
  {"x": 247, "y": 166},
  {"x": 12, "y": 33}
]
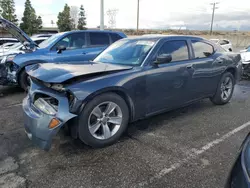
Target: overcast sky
[{"x": 192, "y": 14}]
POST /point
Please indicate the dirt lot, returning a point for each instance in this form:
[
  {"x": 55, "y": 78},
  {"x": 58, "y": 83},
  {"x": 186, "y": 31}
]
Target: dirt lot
[{"x": 190, "y": 147}]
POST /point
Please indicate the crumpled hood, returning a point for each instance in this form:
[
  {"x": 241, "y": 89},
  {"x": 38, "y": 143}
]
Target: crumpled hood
[{"x": 58, "y": 73}]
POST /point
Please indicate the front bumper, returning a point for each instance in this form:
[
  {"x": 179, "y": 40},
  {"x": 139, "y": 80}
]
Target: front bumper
[{"x": 36, "y": 122}]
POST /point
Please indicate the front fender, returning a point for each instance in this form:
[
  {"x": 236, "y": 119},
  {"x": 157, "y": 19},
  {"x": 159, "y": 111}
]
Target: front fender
[{"x": 83, "y": 97}]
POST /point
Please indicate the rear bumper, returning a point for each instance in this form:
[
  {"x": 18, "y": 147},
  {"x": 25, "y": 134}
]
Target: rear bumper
[{"x": 36, "y": 122}]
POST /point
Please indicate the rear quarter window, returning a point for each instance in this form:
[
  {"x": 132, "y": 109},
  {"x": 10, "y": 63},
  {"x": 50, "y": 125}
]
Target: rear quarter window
[
  {"x": 202, "y": 49},
  {"x": 115, "y": 37},
  {"x": 99, "y": 39}
]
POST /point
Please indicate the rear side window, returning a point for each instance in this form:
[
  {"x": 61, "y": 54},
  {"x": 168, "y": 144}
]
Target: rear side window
[
  {"x": 115, "y": 37},
  {"x": 202, "y": 49},
  {"x": 178, "y": 50},
  {"x": 99, "y": 39}
]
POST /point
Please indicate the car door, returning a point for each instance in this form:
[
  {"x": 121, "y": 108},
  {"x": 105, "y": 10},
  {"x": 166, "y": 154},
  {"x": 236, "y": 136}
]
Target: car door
[
  {"x": 205, "y": 68},
  {"x": 97, "y": 42},
  {"x": 167, "y": 84},
  {"x": 75, "y": 49}
]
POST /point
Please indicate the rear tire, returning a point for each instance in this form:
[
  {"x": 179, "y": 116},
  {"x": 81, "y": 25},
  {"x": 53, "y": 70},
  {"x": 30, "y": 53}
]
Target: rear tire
[
  {"x": 23, "y": 80},
  {"x": 225, "y": 89},
  {"x": 103, "y": 120}
]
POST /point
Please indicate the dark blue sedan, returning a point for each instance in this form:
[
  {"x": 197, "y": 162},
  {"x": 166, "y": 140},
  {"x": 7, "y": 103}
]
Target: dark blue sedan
[
  {"x": 130, "y": 80},
  {"x": 68, "y": 47}
]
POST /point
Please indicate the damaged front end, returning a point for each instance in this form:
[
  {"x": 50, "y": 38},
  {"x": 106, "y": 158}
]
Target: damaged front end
[
  {"x": 46, "y": 111},
  {"x": 8, "y": 71}
]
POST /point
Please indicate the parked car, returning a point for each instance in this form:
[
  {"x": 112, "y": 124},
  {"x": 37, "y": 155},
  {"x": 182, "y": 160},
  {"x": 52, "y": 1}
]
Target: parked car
[
  {"x": 5, "y": 40},
  {"x": 132, "y": 79},
  {"x": 42, "y": 35},
  {"x": 224, "y": 43},
  {"x": 245, "y": 55},
  {"x": 6, "y": 46},
  {"x": 19, "y": 47},
  {"x": 72, "y": 46},
  {"x": 240, "y": 173}
]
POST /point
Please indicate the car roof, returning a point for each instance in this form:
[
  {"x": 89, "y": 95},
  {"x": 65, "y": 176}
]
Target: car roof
[
  {"x": 158, "y": 37},
  {"x": 98, "y": 31},
  {"x": 6, "y": 38},
  {"x": 40, "y": 38}
]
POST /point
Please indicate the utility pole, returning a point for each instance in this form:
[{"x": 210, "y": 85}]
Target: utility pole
[
  {"x": 212, "y": 22},
  {"x": 138, "y": 15},
  {"x": 102, "y": 16}
]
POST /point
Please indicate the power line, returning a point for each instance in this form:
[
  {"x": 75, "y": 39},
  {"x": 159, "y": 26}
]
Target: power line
[
  {"x": 212, "y": 22},
  {"x": 112, "y": 17}
]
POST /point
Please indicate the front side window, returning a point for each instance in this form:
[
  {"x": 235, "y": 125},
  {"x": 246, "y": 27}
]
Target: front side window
[
  {"x": 177, "y": 49},
  {"x": 126, "y": 52},
  {"x": 72, "y": 42},
  {"x": 202, "y": 49},
  {"x": 99, "y": 39}
]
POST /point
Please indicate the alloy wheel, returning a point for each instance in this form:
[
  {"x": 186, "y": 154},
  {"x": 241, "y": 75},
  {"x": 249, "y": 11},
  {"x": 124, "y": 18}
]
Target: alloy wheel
[
  {"x": 226, "y": 88},
  {"x": 105, "y": 120}
]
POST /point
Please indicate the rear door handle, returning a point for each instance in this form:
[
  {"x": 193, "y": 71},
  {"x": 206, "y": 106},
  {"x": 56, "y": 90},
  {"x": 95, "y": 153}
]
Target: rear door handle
[{"x": 84, "y": 53}]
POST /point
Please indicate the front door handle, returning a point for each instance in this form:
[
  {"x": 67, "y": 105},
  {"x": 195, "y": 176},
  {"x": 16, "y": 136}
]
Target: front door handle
[
  {"x": 189, "y": 66},
  {"x": 84, "y": 53}
]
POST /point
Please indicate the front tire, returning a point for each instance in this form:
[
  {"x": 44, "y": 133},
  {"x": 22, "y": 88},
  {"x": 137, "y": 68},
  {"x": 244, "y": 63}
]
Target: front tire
[
  {"x": 225, "y": 89},
  {"x": 103, "y": 120},
  {"x": 24, "y": 80}
]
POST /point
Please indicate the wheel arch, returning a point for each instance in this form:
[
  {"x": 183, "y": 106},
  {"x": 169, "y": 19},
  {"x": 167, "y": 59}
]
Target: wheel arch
[
  {"x": 116, "y": 90},
  {"x": 24, "y": 65},
  {"x": 232, "y": 70}
]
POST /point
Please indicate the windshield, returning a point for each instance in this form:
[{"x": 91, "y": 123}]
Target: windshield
[
  {"x": 126, "y": 52},
  {"x": 50, "y": 40}
]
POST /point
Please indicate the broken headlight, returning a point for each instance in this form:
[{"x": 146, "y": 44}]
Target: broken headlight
[{"x": 44, "y": 106}]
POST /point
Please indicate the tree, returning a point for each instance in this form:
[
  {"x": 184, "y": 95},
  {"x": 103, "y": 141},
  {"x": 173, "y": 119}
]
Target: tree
[
  {"x": 65, "y": 22},
  {"x": 39, "y": 22},
  {"x": 30, "y": 22},
  {"x": 82, "y": 19},
  {"x": 8, "y": 10}
]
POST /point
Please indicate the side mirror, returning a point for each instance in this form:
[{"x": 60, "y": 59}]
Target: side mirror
[
  {"x": 60, "y": 49},
  {"x": 164, "y": 58}
]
